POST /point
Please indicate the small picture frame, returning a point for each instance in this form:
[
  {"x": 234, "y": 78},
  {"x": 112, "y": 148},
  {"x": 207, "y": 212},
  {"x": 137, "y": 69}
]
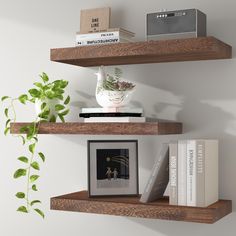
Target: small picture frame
[{"x": 113, "y": 168}]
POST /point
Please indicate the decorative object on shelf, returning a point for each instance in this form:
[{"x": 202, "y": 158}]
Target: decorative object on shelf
[
  {"x": 110, "y": 91},
  {"x": 95, "y": 20},
  {"x": 159, "y": 177},
  {"x": 189, "y": 23},
  {"x": 47, "y": 98},
  {"x": 112, "y": 167}
]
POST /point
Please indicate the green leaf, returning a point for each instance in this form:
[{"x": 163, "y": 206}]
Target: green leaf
[
  {"x": 33, "y": 178},
  {"x": 22, "y": 209},
  {"x": 42, "y": 156},
  {"x": 6, "y": 131},
  {"x": 59, "y": 107},
  {"x": 23, "y": 139},
  {"x": 64, "y": 113},
  {"x": 39, "y": 212},
  {"x": 49, "y": 94},
  {"x": 36, "y": 140},
  {"x": 34, "y": 93},
  {"x": 32, "y": 148},
  {"x": 39, "y": 85},
  {"x": 34, "y": 187},
  {"x": 23, "y": 98},
  {"x": 34, "y": 202},
  {"x": 61, "y": 118},
  {"x": 66, "y": 102},
  {"x": 43, "y": 105},
  {"x": 19, "y": 173},
  {"x": 6, "y": 112},
  {"x": 59, "y": 97},
  {"x": 52, "y": 118},
  {"x": 4, "y": 98},
  {"x": 35, "y": 165},
  {"x": 7, "y": 122},
  {"x": 20, "y": 195},
  {"x": 63, "y": 83},
  {"x": 23, "y": 159},
  {"x": 44, "y": 77}
]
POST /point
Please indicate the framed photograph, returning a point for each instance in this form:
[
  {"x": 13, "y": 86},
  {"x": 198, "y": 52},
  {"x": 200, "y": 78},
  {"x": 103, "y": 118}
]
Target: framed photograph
[{"x": 112, "y": 168}]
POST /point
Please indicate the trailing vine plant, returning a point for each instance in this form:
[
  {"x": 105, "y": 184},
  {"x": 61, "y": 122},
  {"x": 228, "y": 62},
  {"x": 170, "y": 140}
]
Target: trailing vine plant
[{"x": 42, "y": 94}]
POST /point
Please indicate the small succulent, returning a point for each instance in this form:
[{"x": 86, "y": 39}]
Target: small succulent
[{"x": 113, "y": 83}]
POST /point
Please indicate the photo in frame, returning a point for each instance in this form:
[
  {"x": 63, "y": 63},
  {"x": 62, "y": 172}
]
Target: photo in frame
[{"x": 113, "y": 168}]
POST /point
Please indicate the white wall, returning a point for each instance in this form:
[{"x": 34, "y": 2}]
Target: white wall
[{"x": 199, "y": 94}]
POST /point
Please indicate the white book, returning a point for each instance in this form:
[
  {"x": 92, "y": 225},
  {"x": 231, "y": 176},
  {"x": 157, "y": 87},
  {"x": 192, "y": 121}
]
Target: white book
[
  {"x": 182, "y": 172},
  {"x": 159, "y": 177},
  {"x": 115, "y": 33},
  {"x": 173, "y": 174},
  {"x": 207, "y": 172},
  {"x": 115, "y": 119},
  {"x": 191, "y": 173},
  {"x": 202, "y": 172},
  {"x": 101, "y": 41},
  {"x": 112, "y": 110}
]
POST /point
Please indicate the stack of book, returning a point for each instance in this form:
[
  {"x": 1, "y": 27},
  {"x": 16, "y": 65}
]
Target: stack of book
[
  {"x": 193, "y": 172},
  {"x": 112, "y": 115},
  {"x": 111, "y": 35}
]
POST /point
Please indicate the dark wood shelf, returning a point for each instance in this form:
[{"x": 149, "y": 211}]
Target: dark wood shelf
[
  {"x": 193, "y": 49},
  {"x": 147, "y": 128},
  {"x": 130, "y": 206}
]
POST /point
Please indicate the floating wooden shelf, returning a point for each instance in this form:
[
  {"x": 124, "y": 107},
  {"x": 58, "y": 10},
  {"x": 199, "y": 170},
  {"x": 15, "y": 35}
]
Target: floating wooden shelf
[
  {"x": 147, "y": 128},
  {"x": 193, "y": 49},
  {"x": 130, "y": 206}
]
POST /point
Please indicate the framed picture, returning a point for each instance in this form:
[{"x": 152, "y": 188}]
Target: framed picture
[{"x": 112, "y": 167}]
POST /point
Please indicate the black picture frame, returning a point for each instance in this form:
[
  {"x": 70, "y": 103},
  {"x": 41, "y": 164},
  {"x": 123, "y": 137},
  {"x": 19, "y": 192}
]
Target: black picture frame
[{"x": 132, "y": 176}]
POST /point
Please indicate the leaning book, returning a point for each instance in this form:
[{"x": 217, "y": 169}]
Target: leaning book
[{"x": 159, "y": 177}]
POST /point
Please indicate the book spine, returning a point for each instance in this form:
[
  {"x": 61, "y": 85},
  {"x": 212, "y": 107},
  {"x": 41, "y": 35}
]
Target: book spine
[
  {"x": 110, "y": 114},
  {"x": 182, "y": 172},
  {"x": 97, "y": 35},
  {"x": 173, "y": 175},
  {"x": 191, "y": 173},
  {"x": 115, "y": 119},
  {"x": 200, "y": 190},
  {"x": 111, "y": 110},
  {"x": 97, "y": 41}
]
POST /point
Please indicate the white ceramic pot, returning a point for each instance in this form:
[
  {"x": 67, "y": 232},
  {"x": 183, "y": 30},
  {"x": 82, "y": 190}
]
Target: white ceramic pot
[
  {"x": 106, "y": 98},
  {"x": 50, "y": 104}
]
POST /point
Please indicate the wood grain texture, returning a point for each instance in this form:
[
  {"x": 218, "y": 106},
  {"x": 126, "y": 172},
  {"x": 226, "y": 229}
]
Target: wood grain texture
[
  {"x": 130, "y": 206},
  {"x": 147, "y": 128},
  {"x": 203, "y": 48}
]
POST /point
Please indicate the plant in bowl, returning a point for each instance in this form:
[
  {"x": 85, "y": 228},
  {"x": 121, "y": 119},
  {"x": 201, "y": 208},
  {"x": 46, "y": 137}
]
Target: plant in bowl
[
  {"x": 111, "y": 91},
  {"x": 50, "y": 104}
]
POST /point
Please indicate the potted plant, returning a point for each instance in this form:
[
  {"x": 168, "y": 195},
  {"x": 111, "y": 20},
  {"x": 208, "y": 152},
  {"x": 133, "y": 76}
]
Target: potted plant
[
  {"x": 50, "y": 104},
  {"x": 111, "y": 91}
]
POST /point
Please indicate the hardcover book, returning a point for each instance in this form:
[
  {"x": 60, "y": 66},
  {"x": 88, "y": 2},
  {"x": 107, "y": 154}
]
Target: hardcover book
[
  {"x": 159, "y": 177},
  {"x": 202, "y": 172},
  {"x": 113, "y": 110},
  {"x": 173, "y": 173},
  {"x": 182, "y": 172},
  {"x": 110, "y": 114},
  {"x": 115, "y": 119}
]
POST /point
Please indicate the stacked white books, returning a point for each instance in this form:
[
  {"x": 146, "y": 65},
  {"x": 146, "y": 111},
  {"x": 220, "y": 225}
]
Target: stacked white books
[
  {"x": 124, "y": 114},
  {"x": 112, "y": 35},
  {"x": 193, "y": 172}
]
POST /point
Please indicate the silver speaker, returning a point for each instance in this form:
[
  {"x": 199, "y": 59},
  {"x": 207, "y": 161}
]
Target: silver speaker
[{"x": 188, "y": 23}]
